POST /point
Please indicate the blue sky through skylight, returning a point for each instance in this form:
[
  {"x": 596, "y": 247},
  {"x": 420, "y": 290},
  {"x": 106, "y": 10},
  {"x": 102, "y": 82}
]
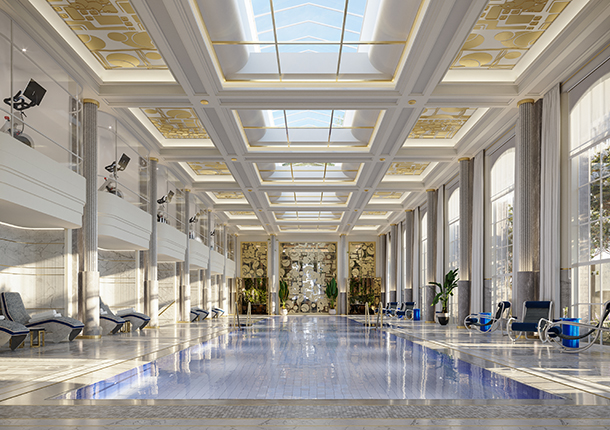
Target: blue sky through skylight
[
  {"x": 308, "y": 21},
  {"x": 308, "y": 118}
]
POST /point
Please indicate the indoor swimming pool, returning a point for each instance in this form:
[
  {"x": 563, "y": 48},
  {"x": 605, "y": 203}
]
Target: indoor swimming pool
[{"x": 298, "y": 357}]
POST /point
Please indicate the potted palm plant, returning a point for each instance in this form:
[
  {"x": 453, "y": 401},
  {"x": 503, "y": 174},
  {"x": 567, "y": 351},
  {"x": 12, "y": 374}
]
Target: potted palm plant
[
  {"x": 332, "y": 292},
  {"x": 445, "y": 290},
  {"x": 283, "y": 294}
]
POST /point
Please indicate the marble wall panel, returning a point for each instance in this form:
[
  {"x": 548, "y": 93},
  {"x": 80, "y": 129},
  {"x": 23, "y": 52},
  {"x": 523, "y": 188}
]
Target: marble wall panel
[
  {"x": 168, "y": 283},
  {"x": 32, "y": 263},
  {"x": 196, "y": 288},
  {"x": 118, "y": 274}
]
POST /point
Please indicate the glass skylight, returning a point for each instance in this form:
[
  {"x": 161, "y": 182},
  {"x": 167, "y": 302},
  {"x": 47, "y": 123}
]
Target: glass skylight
[
  {"x": 309, "y": 128},
  {"x": 308, "y": 216},
  {"x": 315, "y": 40},
  {"x": 305, "y": 198},
  {"x": 308, "y": 172}
]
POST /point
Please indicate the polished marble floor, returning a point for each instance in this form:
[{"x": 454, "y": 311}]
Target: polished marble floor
[
  {"x": 31, "y": 379},
  {"x": 309, "y": 358}
]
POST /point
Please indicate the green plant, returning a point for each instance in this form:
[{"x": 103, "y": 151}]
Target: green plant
[
  {"x": 332, "y": 292},
  {"x": 283, "y": 293},
  {"x": 445, "y": 290}
]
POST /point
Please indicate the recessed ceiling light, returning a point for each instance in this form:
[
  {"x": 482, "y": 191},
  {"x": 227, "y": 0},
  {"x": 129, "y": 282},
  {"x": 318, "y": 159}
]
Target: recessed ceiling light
[
  {"x": 233, "y": 159},
  {"x": 355, "y": 210},
  {"x": 366, "y": 191},
  {"x": 23, "y": 50},
  {"x": 250, "y": 190},
  {"x": 412, "y": 102},
  {"x": 382, "y": 159},
  {"x": 260, "y": 210},
  {"x": 204, "y": 102}
]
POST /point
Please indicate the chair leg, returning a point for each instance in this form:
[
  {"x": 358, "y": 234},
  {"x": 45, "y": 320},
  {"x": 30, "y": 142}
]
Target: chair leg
[{"x": 16, "y": 341}]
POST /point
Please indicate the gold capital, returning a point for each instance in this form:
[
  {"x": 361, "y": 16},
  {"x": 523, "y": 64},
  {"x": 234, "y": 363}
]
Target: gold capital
[
  {"x": 520, "y": 102},
  {"x": 464, "y": 159},
  {"x": 430, "y": 189},
  {"x": 92, "y": 101},
  {"x": 153, "y": 159}
]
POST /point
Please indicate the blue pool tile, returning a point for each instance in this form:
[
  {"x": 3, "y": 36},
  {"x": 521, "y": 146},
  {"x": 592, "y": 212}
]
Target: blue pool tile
[{"x": 308, "y": 358}]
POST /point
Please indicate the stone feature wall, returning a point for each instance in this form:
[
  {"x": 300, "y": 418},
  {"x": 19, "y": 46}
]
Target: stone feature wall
[{"x": 118, "y": 272}]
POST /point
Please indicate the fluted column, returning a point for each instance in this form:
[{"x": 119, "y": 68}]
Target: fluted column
[
  {"x": 208, "y": 272},
  {"x": 428, "y": 310},
  {"x": 342, "y": 275},
  {"x": 184, "y": 294},
  {"x": 89, "y": 282},
  {"x": 274, "y": 274},
  {"x": 392, "y": 262},
  {"x": 151, "y": 284},
  {"x": 383, "y": 253},
  {"x": 224, "y": 285},
  {"x": 408, "y": 257},
  {"x": 527, "y": 203},
  {"x": 465, "y": 240}
]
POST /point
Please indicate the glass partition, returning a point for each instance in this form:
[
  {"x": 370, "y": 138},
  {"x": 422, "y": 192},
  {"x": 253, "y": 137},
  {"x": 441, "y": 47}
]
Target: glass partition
[
  {"x": 231, "y": 246},
  {"x": 40, "y": 101},
  {"x": 170, "y": 199},
  {"x": 198, "y": 220},
  {"x": 122, "y": 162}
]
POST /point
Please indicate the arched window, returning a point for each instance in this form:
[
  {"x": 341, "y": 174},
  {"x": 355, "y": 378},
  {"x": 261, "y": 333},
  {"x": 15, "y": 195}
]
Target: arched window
[
  {"x": 423, "y": 262},
  {"x": 502, "y": 198},
  {"x": 453, "y": 243},
  {"x": 590, "y": 178}
]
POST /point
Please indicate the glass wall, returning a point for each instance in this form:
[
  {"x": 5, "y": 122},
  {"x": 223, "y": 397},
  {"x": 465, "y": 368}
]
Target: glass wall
[
  {"x": 453, "y": 243},
  {"x": 590, "y": 183},
  {"x": 171, "y": 197},
  {"x": 502, "y": 199},
  {"x": 198, "y": 220},
  {"x": 122, "y": 162},
  {"x": 42, "y": 107}
]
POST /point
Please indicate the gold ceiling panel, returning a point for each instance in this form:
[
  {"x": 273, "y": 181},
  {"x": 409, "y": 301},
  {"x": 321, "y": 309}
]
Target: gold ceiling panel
[
  {"x": 440, "y": 123},
  {"x": 112, "y": 31},
  {"x": 176, "y": 123},
  {"x": 407, "y": 168},
  {"x": 506, "y": 30},
  {"x": 228, "y": 195},
  {"x": 210, "y": 168},
  {"x": 387, "y": 195}
]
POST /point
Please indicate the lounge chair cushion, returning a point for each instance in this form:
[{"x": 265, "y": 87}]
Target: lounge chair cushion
[
  {"x": 13, "y": 328},
  {"x": 524, "y": 326},
  {"x": 17, "y": 311}
]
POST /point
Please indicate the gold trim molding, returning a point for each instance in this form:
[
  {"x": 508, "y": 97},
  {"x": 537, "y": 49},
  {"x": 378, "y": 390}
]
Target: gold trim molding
[
  {"x": 524, "y": 101},
  {"x": 92, "y": 101}
]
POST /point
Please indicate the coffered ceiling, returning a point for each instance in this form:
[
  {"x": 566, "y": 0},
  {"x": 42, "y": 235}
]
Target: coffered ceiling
[{"x": 327, "y": 116}]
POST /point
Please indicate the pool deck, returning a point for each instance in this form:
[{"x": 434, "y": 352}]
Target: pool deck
[{"x": 29, "y": 377}]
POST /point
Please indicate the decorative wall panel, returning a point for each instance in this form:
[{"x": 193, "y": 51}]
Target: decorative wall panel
[
  {"x": 307, "y": 267},
  {"x": 118, "y": 287},
  {"x": 166, "y": 274},
  {"x": 362, "y": 260},
  {"x": 254, "y": 259}
]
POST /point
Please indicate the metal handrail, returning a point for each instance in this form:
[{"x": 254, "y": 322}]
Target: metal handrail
[{"x": 166, "y": 308}]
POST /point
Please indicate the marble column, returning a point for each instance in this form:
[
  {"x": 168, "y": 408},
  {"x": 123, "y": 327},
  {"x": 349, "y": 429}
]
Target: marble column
[
  {"x": 527, "y": 203},
  {"x": 89, "y": 276},
  {"x": 408, "y": 257},
  {"x": 151, "y": 284},
  {"x": 429, "y": 311},
  {"x": 465, "y": 247},
  {"x": 274, "y": 276},
  {"x": 383, "y": 254},
  {"x": 184, "y": 292},
  {"x": 342, "y": 275},
  {"x": 392, "y": 263},
  {"x": 208, "y": 272},
  {"x": 223, "y": 284}
]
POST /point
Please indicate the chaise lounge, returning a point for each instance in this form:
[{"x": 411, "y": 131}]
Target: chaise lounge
[
  {"x": 474, "y": 322},
  {"x": 57, "y": 327},
  {"x": 137, "y": 320},
  {"x": 198, "y": 314},
  {"x": 534, "y": 312},
  {"x": 109, "y": 322},
  {"x": 13, "y": 332}
]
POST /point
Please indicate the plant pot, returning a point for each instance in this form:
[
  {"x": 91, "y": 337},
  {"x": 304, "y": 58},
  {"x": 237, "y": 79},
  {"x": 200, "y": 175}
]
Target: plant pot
[
  {"x": 284, "y": 311},
  {"x": 443, "y": 318},
  {"x": 332, "y": 312}
]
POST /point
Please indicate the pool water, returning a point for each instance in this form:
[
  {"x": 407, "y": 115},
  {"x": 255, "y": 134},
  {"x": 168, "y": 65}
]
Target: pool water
[{"x": 308, "y": 358}]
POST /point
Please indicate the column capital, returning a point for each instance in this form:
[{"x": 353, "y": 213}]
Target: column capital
[
  {"x": 408, "y": 210},
  {"x": 464, "y": 159},
  {"x": 92, "y": 101},
  {"x": 520, "y": 102},
  {"x": 153, "y": 159},
  {"x": 187, "y": 190},
  {"x": 430, "y": 190}
]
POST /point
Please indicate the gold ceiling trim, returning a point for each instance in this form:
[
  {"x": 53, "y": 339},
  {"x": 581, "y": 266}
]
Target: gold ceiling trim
[
  {"x": 506, "y": 30},
  {"x": 373, "y": 213},
  {"x": 440, "y": 123},
  {"x": 112, "y": 31},
  {"x": 209, "y": 168},
  {"x": 241, "y": 213},
  {"x": 228, "y": 195},
  {"x": 407, "y": 168},
  {"x": 387, "y": 195},
  {"x": 176, "y": 123}
]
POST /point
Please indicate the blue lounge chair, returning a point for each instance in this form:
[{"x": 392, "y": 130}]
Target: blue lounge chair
[
  {"x": 57, "y": 328},
  {"x": 217, "y": 312},
  {"x": 109, "y": 322},
  {"x": 198, "y": 314},
  {"x": 406, "y": 311},
  {"x": 474, "y": 322},
  {"x": 553, "y": 331},
  {"x": 533, "y": 313},
  {"x": 137, "y": 320},
  {"x": 13, "y": 332},
  {"x": 390, "y": 309}
]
